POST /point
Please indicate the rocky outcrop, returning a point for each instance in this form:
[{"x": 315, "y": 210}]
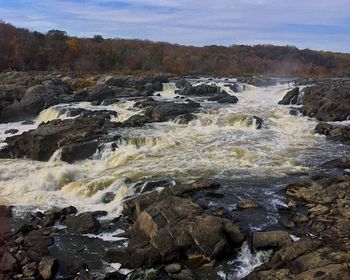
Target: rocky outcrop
[
  {"x": 224, "y": 97},
  {"x": 326, "y": 254},
  {"x": 35, "y": 99},
  {"x": 76, "y": 137},
  {"x": 292, "y": 97},
  {"x": 162, "y": 111},
  {"x": 339, "y": 133},
  {"x": 166, "y": 227},
  {"x": 328, "y": 101}
]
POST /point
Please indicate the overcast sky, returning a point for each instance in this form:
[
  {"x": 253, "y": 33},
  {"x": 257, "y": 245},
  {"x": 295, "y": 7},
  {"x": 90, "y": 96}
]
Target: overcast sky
[{"x": 315, "y": 24}]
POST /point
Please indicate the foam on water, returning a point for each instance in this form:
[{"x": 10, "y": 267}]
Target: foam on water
[{"x": 223, "y": 142}]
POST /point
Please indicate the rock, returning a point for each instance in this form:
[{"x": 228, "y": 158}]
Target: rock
[
  {"x": 235, "y": 87},
  {"x": 183, "y": 84},
  {"x": 29, "y": 269},
  {"x": 108, "y": 197},
  {"x": 69, "y": 210},
  {"x": 47, "y": 267},
  {"x": 5, "y": 212},
  {"x": 173, "y": 268},
  {"x": 185, "y": 119},
  {"x": 115, "y": 276},
  {"x": 35, "y": 99},
  {"x": 259, "y": 122},
  {"x": 136, "y": 121},
  {"x": 327, "y": 101},
  {"x": 166, "y": 225},
  {"x": 246, "y": 204},
  {"x": 200, "y": 90},
  {"x": 100, "y": 93},
  {"x": 165, "y": 111},
  {"x": 224, "y": 97},
  {"x": 292, "y": 97},
  {"x": 319, "y": 210},
  {"x": 343, "y": 163},
  {"x": 109, "y": 80},
  {"x": 270, "y": 239},
  {"x": 11, "y": 131},
  {"x": 7, "y": 262},
  {"x": 71, "y": 135},
  {"x": 82, "y": 224}
]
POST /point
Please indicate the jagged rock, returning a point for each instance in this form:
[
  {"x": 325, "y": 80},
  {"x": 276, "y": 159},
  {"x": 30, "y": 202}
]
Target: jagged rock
[
  {"x": 270, "y": 239},
  {"x": 47, "y": 267},
  {"x": 7, "y": 262},
  {"x": 72, "y": 135},
  {"x": 291, "y": 97},
  {"x": 246, "y": 204},
  {"x": 165, "y": 225},
  {"x": 86, "y": 223}
]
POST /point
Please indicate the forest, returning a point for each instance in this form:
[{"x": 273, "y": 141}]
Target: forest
[{"x": 24, "y": 50}]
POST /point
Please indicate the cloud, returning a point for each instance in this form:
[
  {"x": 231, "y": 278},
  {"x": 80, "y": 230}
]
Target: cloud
[{"x": 318, "y": 24}]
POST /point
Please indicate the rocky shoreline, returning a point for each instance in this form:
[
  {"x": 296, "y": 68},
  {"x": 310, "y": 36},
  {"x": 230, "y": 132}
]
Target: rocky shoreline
[{"x": 165, "y": 233}]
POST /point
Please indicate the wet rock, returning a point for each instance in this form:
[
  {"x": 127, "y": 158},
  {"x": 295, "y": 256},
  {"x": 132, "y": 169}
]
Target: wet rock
[
  {"x": 259, "y": 122},
  {"x": 5, "y": 212},
  {"x": 291, "y": 97},
  {"x": 342, "y": 163},
  {"x": 47, "y": 267},
  {"x": 136, "y": 121},
  {"x": 115, "y": 276},
  {"x": 327, "y": 101},
  {"x": 246, "y": 204},
  {"x": 82, "y": 224},
  {"x": 69, "y": 210},
  {"x": 166, "y": 225},
  {"x": 183, "y": 84},
  {"x": 7, "y": 262},
  {"x": 165, "y": 111},
  {"x": 29, "y": 269},
  {"x": 224, "y": 97},
  {"x": 339, "y": 133},
  {"x": 11, "y": 131},
  {"x": 108, "y": 197},
  {"x": 173, "y": 268},
  {"x": 270, "y": 239},
  {"x": 234, "y": 87},
  {"x": 72, "y": 135},
  {"x": 200, "y": 90},
  {"x": 35, "y": 99},
  {"x": 185, "y": 119},
  {"x": 28, "y": 122}
]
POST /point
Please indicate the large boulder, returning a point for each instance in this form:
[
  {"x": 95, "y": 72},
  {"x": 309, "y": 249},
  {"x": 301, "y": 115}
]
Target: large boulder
[
  {"x": 224, "y": 97},
  {"x": 170, "y": 226},
  {"x": 85, "y": 223},
  {"x": 167, "y": 227},
  {"x": 327, "y": 101},
  {"x": 35, "y": 99},
  {"x": 162, "y": 111},
  {"x": 340, "y": 133},
  {"x": 200, "y": 90},
  {"x": 71, "y": 135},
  {"x": 292, "y": 97}
]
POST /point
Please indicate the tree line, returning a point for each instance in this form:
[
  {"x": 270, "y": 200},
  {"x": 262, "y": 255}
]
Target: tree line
[{"x": 23, "y": 50}]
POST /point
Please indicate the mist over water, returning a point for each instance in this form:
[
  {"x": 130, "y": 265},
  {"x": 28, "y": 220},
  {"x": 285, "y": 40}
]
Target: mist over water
[{"x": 222, "y": 143}]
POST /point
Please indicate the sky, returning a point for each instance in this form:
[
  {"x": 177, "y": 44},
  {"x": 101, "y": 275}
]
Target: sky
[{"x": 314, "y": 24}]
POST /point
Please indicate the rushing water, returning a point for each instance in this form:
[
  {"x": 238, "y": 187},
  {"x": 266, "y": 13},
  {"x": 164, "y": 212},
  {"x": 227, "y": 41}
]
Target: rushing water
[{"x": 222, "y": 143}]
